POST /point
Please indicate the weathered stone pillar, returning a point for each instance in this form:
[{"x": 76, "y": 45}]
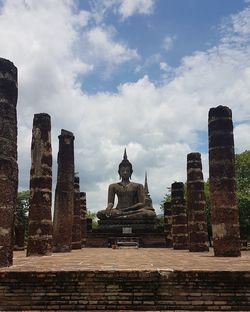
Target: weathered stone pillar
[
  {"x": 64, "y": 195},
  {"x": 168, "y": 224},
  {"x": 76, "y": 230},
  {"x": 83, "y": 214},
  {"x": 196, "y": 205},
  {"x": 40, "y": 222},
  {"x": 225, "y": 216},
  {"x": 179, "y": 216},
  {"x": 8, "y": 159}
]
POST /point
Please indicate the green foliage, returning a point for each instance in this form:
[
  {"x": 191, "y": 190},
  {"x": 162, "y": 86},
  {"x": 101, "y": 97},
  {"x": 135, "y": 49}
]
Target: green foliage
[
  {"x": 242, "y": 169},
  {"x": 159, "y": 221},
  {"x": 166, "y": 199},
  {"x": 92, "y": 216},
  {"x": 22, "y": 208}
]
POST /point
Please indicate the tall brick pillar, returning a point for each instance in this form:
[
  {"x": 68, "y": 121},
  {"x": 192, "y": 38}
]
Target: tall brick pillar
[
  {"x": 196, "y": 205},
  {"x": 222, "y": 182},
  {"x": 168, "y": 225},
  {"x": 76, "y": 230},
  {"x": 8, "y": 159},
  {"x": 179, "y": 216},
  {"x": 40, "y": 221},
  {"x": 83, "y": 214},
  {"x": 64, "y": 195}
]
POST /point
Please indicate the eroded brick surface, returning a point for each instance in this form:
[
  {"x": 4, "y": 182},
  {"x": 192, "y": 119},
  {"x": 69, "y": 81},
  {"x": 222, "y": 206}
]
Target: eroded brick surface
[
  {"x": 76, "y": 229},
  {"x": 168, "y": 224},
  {"x": 83, "y": 216},
  {"x": 40, "y": 221},
  {"x": 222, "y": 183},
  {"x": 8, "y": 158},
  {"x": 197, "y": 222},
  {"x": 179, "y": 217},
  {"x": 126, "y": 279},
  {"x": 64, "y": 194}
]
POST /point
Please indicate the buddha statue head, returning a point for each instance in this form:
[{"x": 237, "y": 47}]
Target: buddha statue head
[{"x": 125, "y": 163}]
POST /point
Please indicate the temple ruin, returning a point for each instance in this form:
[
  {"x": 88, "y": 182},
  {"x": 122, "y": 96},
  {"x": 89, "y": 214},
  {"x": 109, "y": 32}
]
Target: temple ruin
[
  {"x": 64, "y": 194},
  {"x": 40, "y": 221},
  {"x": 168, "y": 224},
  {"x": 196, "y": 205},
  {"x": 76, "y": 229},
  {"x": 222, "y": 182},
  {"x": 8, "y": 159},
  {"x": 179, "y": 217},
  {"x": 83, "y": 217}
]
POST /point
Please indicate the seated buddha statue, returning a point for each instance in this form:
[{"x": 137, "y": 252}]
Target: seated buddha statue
[{"x": 131, "y": 197}]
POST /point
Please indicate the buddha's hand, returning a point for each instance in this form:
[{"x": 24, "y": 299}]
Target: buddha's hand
[{"x": 108, "y": 210}]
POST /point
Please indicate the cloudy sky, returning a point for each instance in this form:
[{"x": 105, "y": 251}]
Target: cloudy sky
[{"x": 140, "y": 74}]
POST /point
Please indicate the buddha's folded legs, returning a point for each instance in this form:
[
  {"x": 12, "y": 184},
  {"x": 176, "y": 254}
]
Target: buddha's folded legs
[{"x": 143, "y": 213}]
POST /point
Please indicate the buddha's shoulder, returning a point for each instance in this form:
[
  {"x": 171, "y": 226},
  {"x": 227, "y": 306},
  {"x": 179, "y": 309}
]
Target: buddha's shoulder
[
  {"x": 113, "y": 185},
  {"x": 131, "y": 184},
  {"x": 134, "y": 184}
]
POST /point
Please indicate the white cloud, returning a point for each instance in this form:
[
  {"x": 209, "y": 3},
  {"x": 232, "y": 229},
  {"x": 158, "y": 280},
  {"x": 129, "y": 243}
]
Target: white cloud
[
  {"x": 163, "y": 66},
  {"x": 159, "y": 125},
  {"x": 128, "y": 8},
  {"x": 241, "y": 136},
  {"x": 102, "y": 46},
  {"x": 124, "y": 8},
  {"x": 168, "y": 42}
]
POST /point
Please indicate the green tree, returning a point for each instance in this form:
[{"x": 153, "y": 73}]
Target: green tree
[
  {"x": 242, "y": 170},
  {"x": 22, "y": 208},
  {"x": 92, "y": 216}
]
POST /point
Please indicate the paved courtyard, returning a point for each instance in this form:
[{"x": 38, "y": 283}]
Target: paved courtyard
[{"x": 149, "y": 259}]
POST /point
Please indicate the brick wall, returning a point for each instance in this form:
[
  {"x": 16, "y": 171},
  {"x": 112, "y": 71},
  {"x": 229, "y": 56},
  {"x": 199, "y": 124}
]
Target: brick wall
[{"x": 125, "y": 290}]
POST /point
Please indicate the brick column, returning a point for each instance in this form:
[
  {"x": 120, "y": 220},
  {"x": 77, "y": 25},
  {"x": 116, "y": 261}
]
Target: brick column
[
  {"x": 225, "y": 216},
  {"x": 83, "y": 213},
  {"x": 76, "y": 230},
  {"x": 8, "y": 159},
  {"x": 179, "y": 216},
  {"x": 40, "y": 222},
  {"x": 168, "y": 225},
  {"x": 64, "y": 195},
  {"x": 196, "y": 205}
]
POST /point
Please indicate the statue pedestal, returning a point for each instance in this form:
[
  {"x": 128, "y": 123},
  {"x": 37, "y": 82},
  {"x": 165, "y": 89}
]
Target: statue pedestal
[
  {"x": 126, "y": 226},
  {"x": 146, "y": 232}
]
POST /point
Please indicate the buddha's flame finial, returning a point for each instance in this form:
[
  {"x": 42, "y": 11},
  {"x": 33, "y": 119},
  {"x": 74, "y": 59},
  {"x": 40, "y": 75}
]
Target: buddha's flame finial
[{"x": 125, "y": 155}]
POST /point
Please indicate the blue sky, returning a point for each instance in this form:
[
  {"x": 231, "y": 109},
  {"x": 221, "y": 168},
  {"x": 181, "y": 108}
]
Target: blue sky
[
  {"x": 140, "y": 74},
  {"x": 191, "y": 25}
]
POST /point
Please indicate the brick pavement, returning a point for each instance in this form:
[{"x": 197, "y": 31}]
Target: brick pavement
[{"x": 142, "y": 259}]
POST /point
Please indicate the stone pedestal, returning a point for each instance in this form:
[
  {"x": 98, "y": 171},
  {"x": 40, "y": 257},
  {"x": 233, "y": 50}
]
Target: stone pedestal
[
  {"x": 196, "y": 205},
  {"x": 145, "y": 232},
  {"x": 64, "y": 195},
  {"x": 168, "y": 224},
  {"x": 225, "y": 217},
  {"x": 123, "y": 226},
  {"x": 179, "y": 217},
  {"x": 8, "y": 159},
  {"x": 76, "y": 229},
  {"x": 40, "y": 221}
]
